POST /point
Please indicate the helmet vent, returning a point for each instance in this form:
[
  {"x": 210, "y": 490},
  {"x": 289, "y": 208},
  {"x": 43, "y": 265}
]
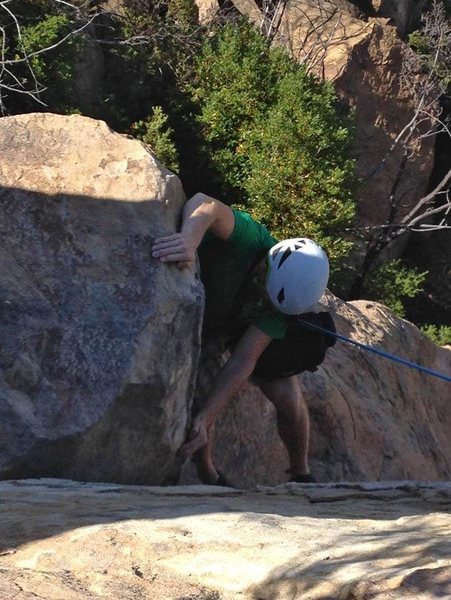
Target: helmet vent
[
  {"x": 275, "y": 253},
  {"x": 285, "y": 255},
  {"x": 281, "y": 296},
  {"x": 298, "y": 245}
]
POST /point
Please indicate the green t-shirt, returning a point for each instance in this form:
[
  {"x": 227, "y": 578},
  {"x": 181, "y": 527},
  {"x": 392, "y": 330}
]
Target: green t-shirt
[{"x": 234, "y": 300}]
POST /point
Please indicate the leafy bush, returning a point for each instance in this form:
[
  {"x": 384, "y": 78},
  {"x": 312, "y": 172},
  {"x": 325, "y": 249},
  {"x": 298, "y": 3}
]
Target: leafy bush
[
  {"x": 299, "y": 175},
  {"x": 276, "y": 137},
  {"x": 439, "y": 334},
  {"x": 155, "y": 132},
  {"x": 392, "y": 282},
  {"x": 41, "y": 25},
  {"x": 432, "y": 43},
  {"x": 54, "y": 69},
  {"x": 147, "y": 47},
  {"x": 158, "y": 39}
]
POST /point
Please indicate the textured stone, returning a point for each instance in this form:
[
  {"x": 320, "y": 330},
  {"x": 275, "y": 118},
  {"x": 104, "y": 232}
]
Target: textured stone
[
  {"x": 364, "y": 59},
  {"x": 405, "y": 14},
  {"x": 372, "y": 418},
  {"x": 208, "y": 10},
  {"x": 60, "y": 539},
  {"x": 99, "y": 341}
]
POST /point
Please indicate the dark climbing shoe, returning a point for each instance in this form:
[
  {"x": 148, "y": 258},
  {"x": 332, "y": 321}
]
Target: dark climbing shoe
[
  {"x": 308, "y": 478},
  {"x": 222, "y": 481}
]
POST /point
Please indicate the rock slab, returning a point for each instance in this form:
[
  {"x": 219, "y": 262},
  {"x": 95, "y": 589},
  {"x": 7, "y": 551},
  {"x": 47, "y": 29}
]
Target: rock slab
[
  {"x": 99, "y": 341},
  {"x": 386, "y": 541}
]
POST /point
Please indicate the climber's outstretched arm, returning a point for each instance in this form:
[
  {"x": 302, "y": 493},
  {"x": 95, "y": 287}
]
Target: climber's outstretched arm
[
  {"x": 235, "y": 372},
  {"x": 200, "y": 213}
]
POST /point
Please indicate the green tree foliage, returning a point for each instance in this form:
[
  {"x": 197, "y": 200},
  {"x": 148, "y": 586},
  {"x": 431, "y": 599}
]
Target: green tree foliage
[
  {"x": 276, "y": 137},
  {"x": 391, "y": 283},
  {"x": 48, "y": 75},
  {"x": 156, "y": 132},
  {"x": 234, "y": 85},
  {"x": 432, "y": 43},
  {"x": 439, "y": 334},
  {"x": 54, "y": 70},
  {"x": 149, "y": 52},
  {"x": 184, "y": 14},
  {"x": 299, "y": 168},
  {"x": 147, "y": 49}
]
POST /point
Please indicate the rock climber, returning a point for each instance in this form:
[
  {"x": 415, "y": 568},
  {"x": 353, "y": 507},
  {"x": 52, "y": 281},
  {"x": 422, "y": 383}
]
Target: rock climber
[{"x": 254, "y": 288}]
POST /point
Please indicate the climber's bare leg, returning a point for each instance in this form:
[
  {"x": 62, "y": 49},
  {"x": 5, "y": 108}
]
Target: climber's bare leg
[
  {"x": 203, "y": 458},
  {"x": 293, "y": 423}
]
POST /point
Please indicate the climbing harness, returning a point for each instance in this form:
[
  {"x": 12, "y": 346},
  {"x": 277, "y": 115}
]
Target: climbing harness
[{"x": 398, "y": 359}]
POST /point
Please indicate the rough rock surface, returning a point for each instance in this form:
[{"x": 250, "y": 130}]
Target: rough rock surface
[
  {"x": 372, "y": 418},
  {"x": 60, "y": 539},
  {"x": 208, "y": 9},
  {"x": 364, "y": 60},
  {"x": 405, "y": 14},
  {"x": 99, "y": 341}
]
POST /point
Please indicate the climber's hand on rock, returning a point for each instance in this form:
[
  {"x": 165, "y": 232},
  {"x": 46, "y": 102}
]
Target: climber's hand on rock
[
  {"x": 197, "y": 438},
  {"x": 177, "y": 248}
]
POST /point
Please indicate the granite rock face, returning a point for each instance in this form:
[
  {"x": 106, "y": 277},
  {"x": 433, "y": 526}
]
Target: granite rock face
[
  {"x": 375, "y": 418},
  {"x": 405, "y": 14},
  {"x": 364, "y": 58},
  {"x": 372, "y": 418},
  {"x": 60, "y": 539},
  {"x": 99, "y": 341}
]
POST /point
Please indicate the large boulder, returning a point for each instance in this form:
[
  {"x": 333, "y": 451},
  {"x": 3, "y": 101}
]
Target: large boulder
[
  {"x": 372, "y": 418},
  {"x": 99, "y": 341}
]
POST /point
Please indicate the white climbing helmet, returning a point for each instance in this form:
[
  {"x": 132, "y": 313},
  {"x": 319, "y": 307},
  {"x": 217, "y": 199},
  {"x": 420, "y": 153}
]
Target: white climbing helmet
[{"x": 298, "y": 271}]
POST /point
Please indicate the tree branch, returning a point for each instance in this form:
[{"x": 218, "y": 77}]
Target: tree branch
[
  {"x": 53, "y": 46},
  {"x": 410, "y": 217}
]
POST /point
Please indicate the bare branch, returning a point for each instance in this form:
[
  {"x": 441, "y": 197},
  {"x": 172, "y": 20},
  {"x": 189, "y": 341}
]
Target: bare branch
[
  {"x": 411, "y": 218},
  {"x": 53, "y": 46},
  {"x": 136, "y": 40},
  {"x": 9, "y": 82},
  {"x": 443, "y": 124}
]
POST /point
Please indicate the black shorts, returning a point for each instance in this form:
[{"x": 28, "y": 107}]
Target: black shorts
[{"x": 302, "y": 349}]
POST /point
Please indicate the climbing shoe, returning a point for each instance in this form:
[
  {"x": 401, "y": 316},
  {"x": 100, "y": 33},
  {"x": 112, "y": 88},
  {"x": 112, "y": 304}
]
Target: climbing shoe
[
  {"x": 222, "y": 481},
  {"x": 306, "y": 478}
]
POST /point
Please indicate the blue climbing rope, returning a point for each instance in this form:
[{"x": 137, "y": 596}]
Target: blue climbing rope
[{"x": 397, "y": 359}]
